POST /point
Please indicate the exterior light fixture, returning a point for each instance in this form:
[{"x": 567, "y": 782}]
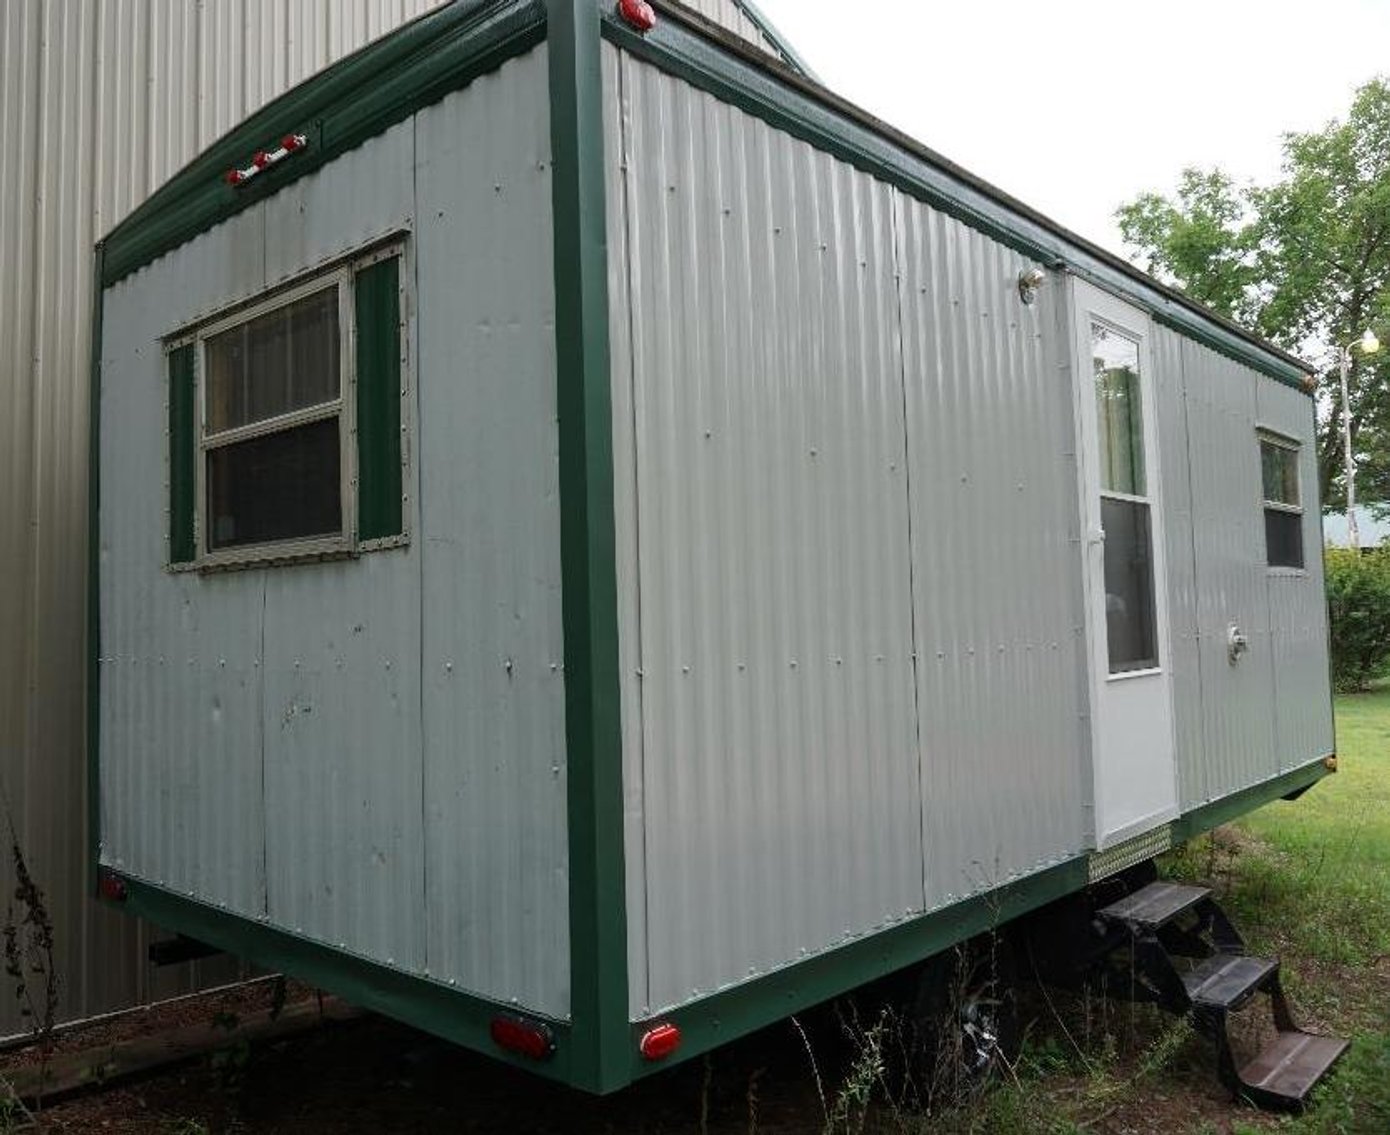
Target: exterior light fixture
[{"x": 1029, "y": 281}]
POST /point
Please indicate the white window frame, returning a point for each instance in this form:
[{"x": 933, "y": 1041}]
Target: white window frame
[{"x": 1265, "y": 437}]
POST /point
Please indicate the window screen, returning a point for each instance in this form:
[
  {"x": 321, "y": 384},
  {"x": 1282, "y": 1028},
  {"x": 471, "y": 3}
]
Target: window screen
[{"x": 1282, "y": 502}]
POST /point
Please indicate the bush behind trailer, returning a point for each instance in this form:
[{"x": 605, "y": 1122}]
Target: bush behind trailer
[{"x": 600, "y": 544}]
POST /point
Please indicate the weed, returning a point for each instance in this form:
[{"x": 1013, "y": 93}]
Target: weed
[{"x": 29, "y": 962}]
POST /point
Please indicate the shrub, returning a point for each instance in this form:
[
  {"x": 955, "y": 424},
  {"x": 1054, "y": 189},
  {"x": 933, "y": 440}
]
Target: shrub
[{"x": 1358, "y": 601}]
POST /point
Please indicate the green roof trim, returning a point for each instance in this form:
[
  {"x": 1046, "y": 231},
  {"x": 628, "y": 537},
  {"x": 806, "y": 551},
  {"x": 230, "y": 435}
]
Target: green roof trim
[
  {"x": 739, "y": 74},
  {"x": 337, "y": 110}
]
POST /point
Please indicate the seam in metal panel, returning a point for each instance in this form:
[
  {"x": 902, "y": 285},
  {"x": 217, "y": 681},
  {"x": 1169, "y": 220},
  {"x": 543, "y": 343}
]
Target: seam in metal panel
[
  {"x": 899, "y": 234},
  {"x": 1181, "y": 357},
  {"x": 414, "y": 483}
]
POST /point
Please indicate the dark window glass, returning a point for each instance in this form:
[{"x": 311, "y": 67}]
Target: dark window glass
[
  {"x": 1283, "y": 538},
  {"x": 278, "y": 487},
  {"x": 279, "y": 362},
  {"x": 1129, "y": 592}
]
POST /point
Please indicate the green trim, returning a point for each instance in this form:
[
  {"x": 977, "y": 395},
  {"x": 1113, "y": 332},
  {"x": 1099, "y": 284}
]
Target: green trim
[
  {"x": 831, "y": 124},
  {"x": 338, "y": 109},
  {"x": 725, "y": 1016},
  {"x": 777, "y": 39},
  {"x": 183, "y": 454},
  {"x": 593, "y": 726},
  {"x": 93, "y": 620},
  {"x": 1231, "y": 807},
  {"x": 451, "y": 1013},
  {"x": 376, "y": 292}
]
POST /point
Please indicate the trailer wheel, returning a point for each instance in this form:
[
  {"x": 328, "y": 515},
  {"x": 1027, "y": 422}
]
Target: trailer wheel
[{"x": 966, "y": 1019}]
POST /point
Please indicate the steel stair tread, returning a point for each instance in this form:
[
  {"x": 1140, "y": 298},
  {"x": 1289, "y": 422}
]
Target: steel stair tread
[
  {"x": 1154, "y": 905},
  {"x": 1227, "y": 981},
  {"x": 1291, "y": 1064}
]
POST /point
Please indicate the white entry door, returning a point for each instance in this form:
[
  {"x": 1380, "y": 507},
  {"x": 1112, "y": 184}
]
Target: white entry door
[{"x": 1135, "y": 776}]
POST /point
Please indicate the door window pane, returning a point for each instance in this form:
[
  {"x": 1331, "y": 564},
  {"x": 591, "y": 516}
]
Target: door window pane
[
  {"x": 1115, "y": 359},
  {"x": 1283, "y": 538},
  {"x": 1129, "y": 591},
  {"x": 277, "y": 487},
  {"x": 279, "y": 362}
]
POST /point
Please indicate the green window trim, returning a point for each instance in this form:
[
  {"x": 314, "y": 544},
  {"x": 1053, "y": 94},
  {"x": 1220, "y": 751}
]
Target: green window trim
[
  {"x": 380, "y": 389},
  {"x": 183, "y": 450}
]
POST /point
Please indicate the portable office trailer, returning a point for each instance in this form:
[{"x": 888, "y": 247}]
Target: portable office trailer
[{"x": 596, "y": 534}]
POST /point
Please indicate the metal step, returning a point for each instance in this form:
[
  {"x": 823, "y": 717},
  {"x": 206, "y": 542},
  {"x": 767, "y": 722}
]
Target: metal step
[
  {"x": 1285, "y": 1072},
  {"x": 1150, "y": 907},
  {"x": 1227, "y": 981}
]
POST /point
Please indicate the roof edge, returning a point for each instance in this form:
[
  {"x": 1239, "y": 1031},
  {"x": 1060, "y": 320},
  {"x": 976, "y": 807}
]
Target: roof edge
[
  {"x": 719, "y": 62},
  {"x": 337, "y": 109}
]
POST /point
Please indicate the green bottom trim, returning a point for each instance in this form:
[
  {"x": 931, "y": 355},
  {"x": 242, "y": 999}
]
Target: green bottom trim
[
  {"x": 425, "y": 1003},
  {"x": 1228, "y": 808},
  {"x": 728, "y": 1015}
]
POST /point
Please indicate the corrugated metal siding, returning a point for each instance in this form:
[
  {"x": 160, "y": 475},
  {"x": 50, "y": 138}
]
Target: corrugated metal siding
[
  {"x": 1170, "y": 393},
  {"x": 99, "y": 104},
  {"x": 494, "y": 714},
  {"x": 388, "y": 732},
  {"x": 1228, "y": 537},
  {"x": 805, "y": 364},
  {"x": 1297, "y": 600},
  {"x": 732, "y": 15},
  {"x": 778, "y": 751},
  {"x": 994, "y": 560}
]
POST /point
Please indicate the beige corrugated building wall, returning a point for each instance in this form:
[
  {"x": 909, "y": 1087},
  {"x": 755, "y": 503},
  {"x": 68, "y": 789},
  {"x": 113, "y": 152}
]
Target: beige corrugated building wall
[{"x": 100, "y": 102}]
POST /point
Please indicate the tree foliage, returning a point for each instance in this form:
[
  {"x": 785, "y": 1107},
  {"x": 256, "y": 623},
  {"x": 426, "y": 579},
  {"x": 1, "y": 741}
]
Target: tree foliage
[
  {"x": 1304, "y": 261},
  {"x": 1358, "y": 604}
]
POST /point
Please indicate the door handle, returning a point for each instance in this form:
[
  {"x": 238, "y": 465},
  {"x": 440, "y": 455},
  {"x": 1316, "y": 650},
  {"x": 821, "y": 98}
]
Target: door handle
[{"x": 1237, "y": 643}]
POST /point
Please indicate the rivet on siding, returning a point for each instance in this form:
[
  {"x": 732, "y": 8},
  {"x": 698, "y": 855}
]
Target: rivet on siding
[
  {"x": 222, "y": 662},
  {"x": 685, "y": 669},
  {"x": 508, "y": 665},
  {"x": 743, "y": 666},
  {"x": 388, "y": 664},
  {"x": 497, "y": 188},
  {"x": 555, "y": 666},
  {"x": 449, "y": 666},
  {"x": 839, "y": 662},
  {"x": 793, "y": 663}
]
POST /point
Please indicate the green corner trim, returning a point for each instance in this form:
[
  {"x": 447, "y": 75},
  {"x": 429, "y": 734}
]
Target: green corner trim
[
  {"x": 93, "y": 620},
  {"x": 829, "y": 123},
  {"x": 183, "y": 455},
  {"x": 1230, "y": 807},
  {"x": 448, "y": 1012},
  {"x": 593, "y": 725},
  {"x": 338, "y": 109},
  {"x": 376, "y": 296}
]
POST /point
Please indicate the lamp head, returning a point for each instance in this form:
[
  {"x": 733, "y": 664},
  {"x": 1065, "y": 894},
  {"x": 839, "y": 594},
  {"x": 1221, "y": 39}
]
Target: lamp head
[{"x": 1369, "y": 343}]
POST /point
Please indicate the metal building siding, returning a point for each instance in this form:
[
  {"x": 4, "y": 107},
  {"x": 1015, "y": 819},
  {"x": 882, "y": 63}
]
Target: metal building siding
[
  {"x": 1297, "y": 600},
  {"x": 386, "y": 735},
  {"x": 1170, "y": 396},
  {"x": 779, "y": 772},
  {"x": 99, "y": 104},
  {"x": 731, "y": 14},
  {"x": 994, "y": 560},
  {"x": 493, "y": 687},
  {"x": 1228, "y": 538}
]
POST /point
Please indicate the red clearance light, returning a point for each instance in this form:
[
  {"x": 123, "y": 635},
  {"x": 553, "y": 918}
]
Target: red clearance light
[
  {"x": 638, "y": 13},
  {"x": 262, "y": 160},
  {"x": 112, "y": 887},
  {"x": 659, "y": 1042},
  {"x": 526, "y": 1038}
]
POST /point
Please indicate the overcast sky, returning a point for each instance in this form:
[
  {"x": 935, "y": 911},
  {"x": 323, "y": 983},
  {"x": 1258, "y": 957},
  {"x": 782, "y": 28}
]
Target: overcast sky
[{"x": 1076, "y": 106}]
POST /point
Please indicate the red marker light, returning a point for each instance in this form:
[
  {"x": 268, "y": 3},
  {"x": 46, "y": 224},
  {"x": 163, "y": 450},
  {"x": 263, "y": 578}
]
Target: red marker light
[
  {"x": 290, "y": 142},
  {"x": 526, "y": 1038},
  {"x": 234, "y": 177},
  {"x": 112, "y": 887},
  {"x": 659, "y": 1042},
  {"x": 638, "y": 13},
  {"x": 260, "y": 159}
]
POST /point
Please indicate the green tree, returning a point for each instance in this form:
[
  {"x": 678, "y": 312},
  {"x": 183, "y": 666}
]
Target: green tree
[{"x": 1304, "y": 261}]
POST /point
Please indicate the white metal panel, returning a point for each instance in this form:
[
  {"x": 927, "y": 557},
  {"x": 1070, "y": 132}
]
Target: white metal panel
[
  {"x": 780, "y": 780},
  {"x": 995, "y": 564},
  {"x": 1228, "y": 537},
  {"x": 493, "y": 648},
  {"x": 1171, "y": 394},
  {"x": 180, "y": 681},
  {"x": 1297, "y": 599},
  {"x": 99, "y": 104}
]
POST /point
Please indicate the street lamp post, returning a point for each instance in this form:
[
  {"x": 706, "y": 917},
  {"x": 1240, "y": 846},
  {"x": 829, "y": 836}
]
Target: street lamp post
[{"x": 1369, "y": 345}]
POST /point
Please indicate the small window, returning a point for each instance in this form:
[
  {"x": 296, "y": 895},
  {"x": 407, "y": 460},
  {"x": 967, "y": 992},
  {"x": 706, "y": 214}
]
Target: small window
[
  {"x": 1283, "y": 504},
  {"x": 272, "y": 425},
  {"x": 285, "y": 423}
]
